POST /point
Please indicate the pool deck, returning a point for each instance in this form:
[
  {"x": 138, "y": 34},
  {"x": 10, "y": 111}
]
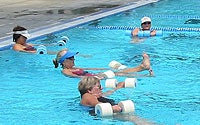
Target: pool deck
[{"x": 43, "y": 17}]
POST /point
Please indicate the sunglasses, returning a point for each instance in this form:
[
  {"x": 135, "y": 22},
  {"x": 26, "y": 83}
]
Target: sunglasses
[
  {"x": 71, "y": 58},
  {"x": 146, "y": 23}
]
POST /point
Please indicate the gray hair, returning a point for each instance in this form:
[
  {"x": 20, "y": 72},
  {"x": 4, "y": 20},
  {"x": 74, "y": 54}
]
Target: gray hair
[{"x": 87, "y": 83}]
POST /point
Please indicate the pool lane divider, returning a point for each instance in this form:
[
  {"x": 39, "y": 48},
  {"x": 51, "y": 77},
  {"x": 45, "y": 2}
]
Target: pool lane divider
[
  {"x": 154, "y": 28},
  {"x": 171, "y": 16}
]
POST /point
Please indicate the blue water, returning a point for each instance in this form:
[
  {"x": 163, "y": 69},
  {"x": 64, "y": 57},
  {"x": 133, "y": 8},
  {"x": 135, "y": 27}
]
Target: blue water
[{"x": 34, "y": 92}]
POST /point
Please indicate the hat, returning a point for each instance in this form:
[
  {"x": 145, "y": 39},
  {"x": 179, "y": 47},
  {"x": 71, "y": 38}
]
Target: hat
[
  {"x": 23, "y": 33},
  {"x": 68, "y": 54},
  {"x": 145, "y": 19}
]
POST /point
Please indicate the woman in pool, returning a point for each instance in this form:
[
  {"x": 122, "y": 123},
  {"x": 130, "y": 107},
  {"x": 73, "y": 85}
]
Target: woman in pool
[
  {"x": 20, "y": 35},
  {"x": 146, "y": 25},
  {"x": 91, "y": 94},
  {"x": 66, "y": 59}
]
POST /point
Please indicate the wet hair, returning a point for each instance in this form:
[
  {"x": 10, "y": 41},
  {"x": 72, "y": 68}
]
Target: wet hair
[
  {"x": 87, "y": 83},
  {"x": 58, "y": 57},
  {"x": 16, "y": 36}
]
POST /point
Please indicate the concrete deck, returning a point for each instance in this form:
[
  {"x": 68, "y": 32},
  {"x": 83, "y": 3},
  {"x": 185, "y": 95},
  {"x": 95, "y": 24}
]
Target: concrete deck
[{"x": 36, "y": 13}]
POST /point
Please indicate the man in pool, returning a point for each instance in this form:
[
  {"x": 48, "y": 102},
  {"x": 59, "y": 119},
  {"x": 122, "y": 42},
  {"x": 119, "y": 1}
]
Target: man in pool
[
  {"x": 146, "y": 25},
  {"x": 66, "y": 59}
]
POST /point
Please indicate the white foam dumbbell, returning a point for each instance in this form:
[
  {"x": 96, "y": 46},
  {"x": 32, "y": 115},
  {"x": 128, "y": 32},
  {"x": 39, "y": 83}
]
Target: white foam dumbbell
[
  {"x": 130, "y": 82},
  {"x": 127, "y": 106},
  {"x": 116, "y": 65},
  {"x": 103, "y": 109},
  {"x": 122, "y": 67},
  {"x": 111, "y": 83},
  {"x": 109, "y": 74}
]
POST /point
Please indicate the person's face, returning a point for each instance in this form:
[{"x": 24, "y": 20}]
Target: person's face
[
  {"x": 96, "y": 90},
  {"x": 21, "y": 40},
  {"x": 69, "y": 62},
  {"x": 146, "y": 25}
]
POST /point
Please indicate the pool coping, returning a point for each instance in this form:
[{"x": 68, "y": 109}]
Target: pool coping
[{"x": 6, "y": 42}]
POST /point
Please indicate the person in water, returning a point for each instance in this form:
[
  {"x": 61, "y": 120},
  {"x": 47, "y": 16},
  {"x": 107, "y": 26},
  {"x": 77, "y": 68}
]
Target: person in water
[
  {"x": 20, "y": 35},
  {"x": 91, "y": 94},
  {"x": 145, "y": 25},
  {"x": 66, "y": 59}
]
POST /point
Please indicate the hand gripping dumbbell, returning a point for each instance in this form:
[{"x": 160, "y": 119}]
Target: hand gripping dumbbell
[{"x": 105, "y": 109}]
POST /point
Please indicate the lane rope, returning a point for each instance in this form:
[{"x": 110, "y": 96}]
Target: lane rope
[
  {"x": 154, "y": 28},
  {"x": 172, "y": 16}
]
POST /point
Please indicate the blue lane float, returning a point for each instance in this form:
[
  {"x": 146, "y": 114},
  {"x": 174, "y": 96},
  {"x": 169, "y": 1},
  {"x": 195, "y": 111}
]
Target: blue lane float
[
  {"x": 144, "y": 33},
  {"x": 148, "y": 33}
]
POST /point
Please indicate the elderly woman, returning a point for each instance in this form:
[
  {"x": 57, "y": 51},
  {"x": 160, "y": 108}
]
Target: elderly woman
[
  {"x": 91, "y": 93},
  {"x": 66, "y": 59},
  {"x": 145, "y": 25},
  {"x": 20, "y": 35}
]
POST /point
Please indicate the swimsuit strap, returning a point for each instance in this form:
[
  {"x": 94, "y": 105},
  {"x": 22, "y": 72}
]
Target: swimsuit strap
[{"x": 106, "y": 100}]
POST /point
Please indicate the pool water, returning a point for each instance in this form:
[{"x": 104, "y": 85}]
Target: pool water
[{"x": 34, "y": 92}]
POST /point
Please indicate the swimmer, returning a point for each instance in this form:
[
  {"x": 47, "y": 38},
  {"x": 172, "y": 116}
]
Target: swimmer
[
  {"x": 66, "y": 59},
  {"x": 20, "y": 35},
  {"x": 145, "y": 25},
  {"x": 91, "y": 94}
]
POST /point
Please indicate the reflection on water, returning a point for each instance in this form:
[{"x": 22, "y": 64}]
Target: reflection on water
[
  {"x": 94, "y": 23},
  {"x": 181, "y": 36}
]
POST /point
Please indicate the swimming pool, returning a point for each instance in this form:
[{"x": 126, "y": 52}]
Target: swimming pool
[{"x": 34, "y": 92}]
